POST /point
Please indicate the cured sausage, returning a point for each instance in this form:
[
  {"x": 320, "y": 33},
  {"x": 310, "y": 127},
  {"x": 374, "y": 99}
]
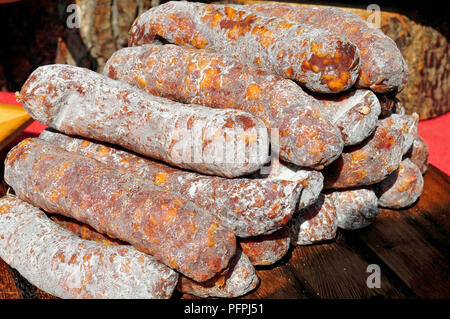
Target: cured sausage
[
  {"x": 320, "y": 60},
  {"x": 60, "y": 263},
  {"x": 315, "y": 223},
  {"x": 188, "y": 75},
  {"x": 164, "y": 224},
  {"x": 355, "y": 208},
  {"x": 418, "y": 154},
  {"x": 407, "y": 124},
  {"x": 249, "y": 207},
  {"x": 312, "y": 181},
  {"x": 383, "y": 67},
  {"x": 238, "y": 279},
  {"x": 84, "y": 231},
  {"x": 369, "y": 162},
  {"x": 266, "y": 249},
  {"x": 354, "y": 112},
  {"x": 402, "y": 188},
  {"x": 82, "y": 102}
]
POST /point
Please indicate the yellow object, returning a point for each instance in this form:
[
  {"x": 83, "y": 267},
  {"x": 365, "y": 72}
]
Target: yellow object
[{"x": 13, "y": 120}]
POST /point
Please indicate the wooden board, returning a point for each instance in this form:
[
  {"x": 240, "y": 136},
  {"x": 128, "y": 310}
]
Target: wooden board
[{"x": 410, "y": 246}]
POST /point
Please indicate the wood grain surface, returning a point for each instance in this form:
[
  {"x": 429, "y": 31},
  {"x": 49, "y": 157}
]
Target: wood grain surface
[{"x": 410, "y": 246}]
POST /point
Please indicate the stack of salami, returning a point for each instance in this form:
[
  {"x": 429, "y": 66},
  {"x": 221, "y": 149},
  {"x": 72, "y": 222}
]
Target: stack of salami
[{"x": 223, "y": 135}]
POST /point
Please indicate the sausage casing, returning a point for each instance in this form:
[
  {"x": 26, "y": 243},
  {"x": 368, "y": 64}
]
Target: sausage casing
[
  {"x": 66, "y": 266},
  {"x": 306, "y": 136},
  {"x": 82, "y": 102},
  {"x": 174, "y": 230},
  {"x": 321, "y": 60}
]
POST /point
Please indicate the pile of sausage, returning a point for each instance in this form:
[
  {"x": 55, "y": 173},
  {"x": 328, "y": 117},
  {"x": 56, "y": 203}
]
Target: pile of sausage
[{"x": 219, "y": 138}]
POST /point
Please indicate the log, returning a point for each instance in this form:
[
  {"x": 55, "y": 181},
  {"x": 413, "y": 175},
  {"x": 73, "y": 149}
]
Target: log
[{"x": 104, "y": 26}]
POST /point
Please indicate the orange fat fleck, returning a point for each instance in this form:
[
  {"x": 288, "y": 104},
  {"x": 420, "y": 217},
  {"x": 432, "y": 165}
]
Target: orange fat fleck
[
  {"x": 103, "y": 151},
  {"x": 315, "y": 48},
  {"x": 230, "y": 12},
  {"x": 140, "y": 81},
  {"x": 199, "y": 42},
  {"x": 257, "y": 60},
  {"x": 171, "y": 214},
  {"x": 63, "y": 167},
  {"x": 216, "y": 19},
  {"x": 210, "y": 79},
  {"x": 253, "y": 92},
  {"x": 4, "y": 209},
  {"x": 285, "y": 25},
  {"x": 160, "y": 178},
  {"x": 290, "y": 72},
  {"x": 85, "y": 143},
  {"x": 213, "y": 228},
  {"x": 358, "y": 156}
]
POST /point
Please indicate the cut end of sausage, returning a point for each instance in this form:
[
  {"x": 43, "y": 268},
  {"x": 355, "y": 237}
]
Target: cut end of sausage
[
  {"x": 310, "y": 141},
  {"x": 239, "y": 279},
  {"x": 266, "y": 250},
  {"x": 315, "y": 223},
  {"x": 312, "y": 181},
  {"x": 402, "y": 188},
  {"x": 356, "y": 208}
]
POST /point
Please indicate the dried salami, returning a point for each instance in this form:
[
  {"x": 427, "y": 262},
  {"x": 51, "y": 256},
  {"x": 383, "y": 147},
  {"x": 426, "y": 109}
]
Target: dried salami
[
  {"x": 323, "y": 61},
  {"x": 164, "y": 224},
  {"x": 402, "y": 188},
  {"x": 266, "y": 249},
  {"x": 355, "y": 208},
  {"x": 315, "y": 223},
  {"x": 354, "y": 112},
  {"x": 238, "y": 279},
  {"x": 248, "y": 206},
  {"x": 66, "y": 266},
  {"x": 311, "y": 180},
  {"x": 418, "y": 154},
  {"x": 82, "y": 102},
  {"x": 306, "y": 136},
  {"x": 369, "y": 162},
  {"x": 407, "y": 124},
  {"x": 383, "y": 67}
]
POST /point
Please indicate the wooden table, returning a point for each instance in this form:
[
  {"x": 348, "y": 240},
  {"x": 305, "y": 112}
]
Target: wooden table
[{"x": 410, "y": 246}]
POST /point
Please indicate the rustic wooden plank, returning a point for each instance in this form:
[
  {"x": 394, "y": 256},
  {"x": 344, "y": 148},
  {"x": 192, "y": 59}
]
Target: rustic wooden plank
[
  {"x": 405, "y": 250},
  {"x": 433, "y": 233},
  {"x": 278, "y": 282},
  {"x": 354, "y": 242},
  {"x": 43, "y": 295},
  {"x": 434, "y": 203},
  {"x": 26, "y": 289},
  {"x": 335, "y": 270},
  {"x": 8, "y": 289}
]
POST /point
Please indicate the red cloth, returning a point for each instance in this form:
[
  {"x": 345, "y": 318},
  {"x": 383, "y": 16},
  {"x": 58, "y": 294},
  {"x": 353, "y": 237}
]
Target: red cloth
[{"x": 435, "y": 132}]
